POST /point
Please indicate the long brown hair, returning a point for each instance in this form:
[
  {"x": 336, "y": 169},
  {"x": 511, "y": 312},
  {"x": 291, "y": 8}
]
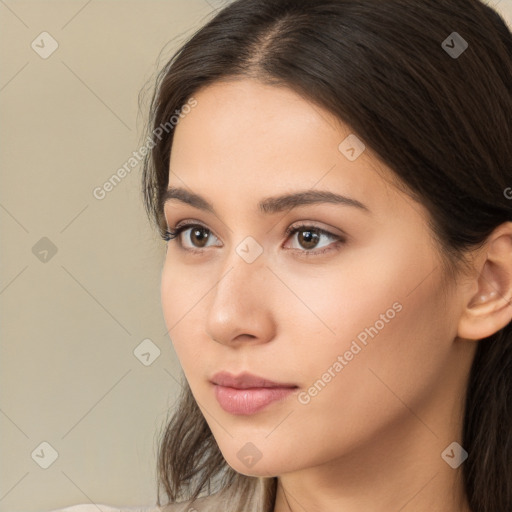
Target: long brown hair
[{"x": 381, "y": 68}]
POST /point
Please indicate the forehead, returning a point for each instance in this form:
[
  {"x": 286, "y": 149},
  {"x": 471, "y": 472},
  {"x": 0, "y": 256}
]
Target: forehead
[{"x": 245, "y": 140}]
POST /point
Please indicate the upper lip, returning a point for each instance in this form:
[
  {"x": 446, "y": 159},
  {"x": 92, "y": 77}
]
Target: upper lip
[{"x": 246, "y": 380}]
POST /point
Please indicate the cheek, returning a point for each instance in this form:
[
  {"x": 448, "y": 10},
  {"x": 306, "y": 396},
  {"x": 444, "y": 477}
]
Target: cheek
[
  {"x": 351, "y": 401},
  {"x": 385, "y": 317},
  {"x": 182, "y": 293},
  {"x": 392, "y": 347},
  {"x": 363, "y": 287}
]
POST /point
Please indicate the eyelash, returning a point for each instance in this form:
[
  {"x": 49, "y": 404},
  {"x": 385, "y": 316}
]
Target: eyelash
[{"x": 171, "y": 234}]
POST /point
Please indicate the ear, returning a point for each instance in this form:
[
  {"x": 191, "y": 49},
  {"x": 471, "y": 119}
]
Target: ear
[{"x": 489, "y": 308}]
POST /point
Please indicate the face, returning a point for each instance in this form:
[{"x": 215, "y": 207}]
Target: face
[{"x": 348, "y": 306}]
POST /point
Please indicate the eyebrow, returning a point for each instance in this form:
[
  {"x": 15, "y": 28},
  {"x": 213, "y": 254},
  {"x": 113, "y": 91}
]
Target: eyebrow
[{"x": 269, "y": 205}]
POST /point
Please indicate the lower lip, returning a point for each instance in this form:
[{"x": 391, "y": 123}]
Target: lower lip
[{"x": 248, "y": 401}]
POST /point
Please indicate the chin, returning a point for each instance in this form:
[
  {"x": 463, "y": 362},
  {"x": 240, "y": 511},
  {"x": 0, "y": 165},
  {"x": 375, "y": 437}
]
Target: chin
[{"x": 263, "y": 468}]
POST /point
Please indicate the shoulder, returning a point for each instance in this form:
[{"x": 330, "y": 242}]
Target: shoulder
[
  {"x": 212, "y": 503},
  {"x": 100, "y": 507},
  {"x": 205, "y": 504}
]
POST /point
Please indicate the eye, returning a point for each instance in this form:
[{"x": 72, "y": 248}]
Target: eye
[
  {"x": 309, "y": 237},
  {"x": 198, "y": 232}
]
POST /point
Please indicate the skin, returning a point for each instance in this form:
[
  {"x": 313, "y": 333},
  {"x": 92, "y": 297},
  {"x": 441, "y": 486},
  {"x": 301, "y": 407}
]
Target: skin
[{"x": 372, "y": 438}]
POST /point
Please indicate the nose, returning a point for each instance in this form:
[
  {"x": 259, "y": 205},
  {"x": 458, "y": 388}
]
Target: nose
[{"x": 240, "y": 303}]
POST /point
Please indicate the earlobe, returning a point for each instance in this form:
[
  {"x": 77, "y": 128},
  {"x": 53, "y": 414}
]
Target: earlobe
[{"x": 489, "y": 309}]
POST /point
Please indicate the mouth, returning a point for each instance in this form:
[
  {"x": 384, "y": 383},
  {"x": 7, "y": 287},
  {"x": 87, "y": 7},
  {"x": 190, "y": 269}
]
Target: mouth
[{"x": 248, "y": 394}]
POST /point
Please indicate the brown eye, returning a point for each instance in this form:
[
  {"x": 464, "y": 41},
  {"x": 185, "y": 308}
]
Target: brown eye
[
  {"x": 196, "y": 239},
  {"x": 200, "y": 235},
  {"x": 308, "y": 238}
]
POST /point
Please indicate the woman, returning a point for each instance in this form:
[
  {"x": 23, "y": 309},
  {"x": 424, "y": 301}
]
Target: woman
[{"x": 333, "y": 179}]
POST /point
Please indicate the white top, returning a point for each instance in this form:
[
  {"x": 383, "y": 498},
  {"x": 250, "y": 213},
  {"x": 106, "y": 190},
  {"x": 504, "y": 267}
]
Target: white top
[
  {"x": 213, "y": 503},
  {"x": 100, "y": 507}
]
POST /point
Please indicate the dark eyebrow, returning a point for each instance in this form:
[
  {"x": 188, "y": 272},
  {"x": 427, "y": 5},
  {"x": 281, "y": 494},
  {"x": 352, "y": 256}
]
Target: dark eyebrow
[{"x": 268, "y": 205}]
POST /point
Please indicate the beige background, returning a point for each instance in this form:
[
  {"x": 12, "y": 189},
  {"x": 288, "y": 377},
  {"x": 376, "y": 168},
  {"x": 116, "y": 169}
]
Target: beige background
[{"x": 70, "y": 323}]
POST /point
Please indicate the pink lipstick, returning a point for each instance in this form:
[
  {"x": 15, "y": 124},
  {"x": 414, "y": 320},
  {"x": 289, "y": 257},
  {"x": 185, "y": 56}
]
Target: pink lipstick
[{"x": 247, "y": 394}]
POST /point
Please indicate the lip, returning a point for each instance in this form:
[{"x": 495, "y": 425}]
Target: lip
[
  {"x": 244, "y": 402},
  {"x": 247, "y": 394},
  {"x": 247, "y": 380}
]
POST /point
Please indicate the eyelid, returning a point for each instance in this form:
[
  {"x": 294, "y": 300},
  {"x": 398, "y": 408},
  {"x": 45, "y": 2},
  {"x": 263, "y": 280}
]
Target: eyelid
[
  {"x": 312, "y": 224},
  {"x": 288, "y": 231},
  {"x": 190, "y": 224},
  {"x": 338, "y": 239}
]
